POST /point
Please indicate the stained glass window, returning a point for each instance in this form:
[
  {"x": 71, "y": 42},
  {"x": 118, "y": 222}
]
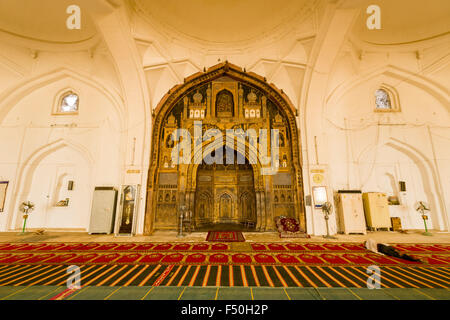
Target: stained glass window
[
  {"x": 69, "y": 103},
  {"x": 382, "y": 99}
]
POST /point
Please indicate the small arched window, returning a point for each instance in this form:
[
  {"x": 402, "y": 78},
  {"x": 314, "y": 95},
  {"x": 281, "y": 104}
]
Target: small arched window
[
  {"x": 382, "y": 100},
  {"x": 69, "y": 103}
]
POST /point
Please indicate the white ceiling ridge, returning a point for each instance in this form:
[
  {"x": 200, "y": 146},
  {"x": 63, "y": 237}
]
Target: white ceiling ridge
[
  {"x": 401, "y": 47},
  {"x": 431, "y": 87},
  {"x": 141, "y": 39},
  {"x": 49, "y": 46},
  {"x": 12, "y": 66},
  {"x": 306, "y": 37},
  {"x": 437, "y": 65}
]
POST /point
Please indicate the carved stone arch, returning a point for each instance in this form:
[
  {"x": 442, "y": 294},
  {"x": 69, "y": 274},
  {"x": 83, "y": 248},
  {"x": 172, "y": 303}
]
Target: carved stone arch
[
  {"x": 224, "y": 103},
  {"x": 197, "y": 158},
  {"x": 179, "y": 96},
  {"x": 245, "y": 202},
  {"x": 227, "y": 203},
  {"x": 203, "y": 206}
]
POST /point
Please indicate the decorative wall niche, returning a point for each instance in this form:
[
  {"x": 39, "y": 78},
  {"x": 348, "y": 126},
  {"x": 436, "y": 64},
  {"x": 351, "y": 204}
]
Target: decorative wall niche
[
  {"x": 67, "y": 102},
  {"x": 386, "y": 99}
]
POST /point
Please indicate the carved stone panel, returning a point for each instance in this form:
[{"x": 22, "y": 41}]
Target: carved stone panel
[{"x": 224, "y": 97}]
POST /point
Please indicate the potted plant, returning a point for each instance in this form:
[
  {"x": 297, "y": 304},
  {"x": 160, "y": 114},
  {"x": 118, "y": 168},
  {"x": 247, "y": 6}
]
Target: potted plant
[{"x": 27, "y": 207}]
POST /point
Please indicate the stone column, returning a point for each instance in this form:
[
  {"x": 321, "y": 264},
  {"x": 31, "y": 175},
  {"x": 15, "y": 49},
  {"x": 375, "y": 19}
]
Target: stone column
[
  {"x": 241, "y": 102},
  {"x": 185, "y": 108},
  {"x": 263, "y": 211},
  {"x": 264, "y": 107},
  {"x": 208, "y": 102},
  {"x": 149, "y": 214},
  {"x": 258, "y": 211},
  {"x": 270, "y": 225}
]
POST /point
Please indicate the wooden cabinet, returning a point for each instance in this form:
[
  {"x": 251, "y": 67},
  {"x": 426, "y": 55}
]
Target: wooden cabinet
[
  {"x": 350, "y": 212},
  {"x": 376, "y": 210}
]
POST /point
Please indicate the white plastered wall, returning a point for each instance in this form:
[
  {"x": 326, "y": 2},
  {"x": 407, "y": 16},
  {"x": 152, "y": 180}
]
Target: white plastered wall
[
  {"x": 41, "y": 150},
  {"x": 373, "y": 151}
]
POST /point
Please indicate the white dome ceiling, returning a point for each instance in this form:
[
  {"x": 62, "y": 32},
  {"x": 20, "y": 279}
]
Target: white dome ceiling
[
  {"x": 219, "y": 21},
  {"x": 43, "y": 20},
  {"x": 405, "y": 21}
]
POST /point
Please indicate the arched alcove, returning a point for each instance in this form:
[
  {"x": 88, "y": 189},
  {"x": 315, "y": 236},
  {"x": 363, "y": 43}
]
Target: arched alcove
[
  {"x": 10, "y": 98},
  {"x": 397, "y": 75},
  {"x": 28, "y": 111},
  {"x": 41, "y": 180},
  {"x": 382, "y": 167},
  {"x": 221, "y": 95}
]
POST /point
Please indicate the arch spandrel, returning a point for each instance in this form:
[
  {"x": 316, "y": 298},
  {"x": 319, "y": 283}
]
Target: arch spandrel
[{"x": 256, "y": 105}]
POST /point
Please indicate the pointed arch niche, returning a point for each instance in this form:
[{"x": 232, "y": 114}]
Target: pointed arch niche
[
  {"x": 386, "y": 99},
  {"x": 383, "y": 166},
  {"x": 233, "y": 90},
  {"x": 66, "y": 102},
  {"x": 43, "y": 180}
]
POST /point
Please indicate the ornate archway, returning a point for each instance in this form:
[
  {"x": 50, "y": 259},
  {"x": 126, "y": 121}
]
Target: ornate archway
[
  {"x": 225, "y": 98},
  {"x": 230, "y": 188}
]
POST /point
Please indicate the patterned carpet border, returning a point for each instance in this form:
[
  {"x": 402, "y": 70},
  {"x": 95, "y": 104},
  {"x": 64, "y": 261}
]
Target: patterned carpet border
[
  {"x": 202, "y": 246},
  {"x": 178, "y": 258},
  {"x": 245, "y": 253}
]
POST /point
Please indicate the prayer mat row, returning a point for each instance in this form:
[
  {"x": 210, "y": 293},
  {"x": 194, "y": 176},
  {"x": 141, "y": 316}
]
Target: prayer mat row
[
  {"x": 401, "y": 276},
  {"x": 353, "y": 258},
  {"x": 276, "y": 247}
]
